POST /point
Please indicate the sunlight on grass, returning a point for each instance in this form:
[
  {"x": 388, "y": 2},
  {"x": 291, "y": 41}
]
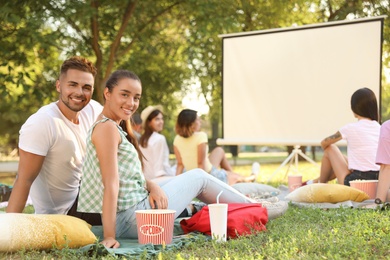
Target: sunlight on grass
[{"x": 279, "y": 175}]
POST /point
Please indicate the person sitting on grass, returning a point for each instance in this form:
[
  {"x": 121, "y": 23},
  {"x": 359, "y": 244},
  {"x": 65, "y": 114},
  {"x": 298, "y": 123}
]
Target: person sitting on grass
[
  {"x": 383, "y": 159},
  {"x": 362, "y": 143},
  {"x": 113, "y": 182},
  {"x": 52, "y": 146},
  {"x": 136, "y": 125},
  {"x": 191, "y": 151},
  {"x": 154, "y": 146}
]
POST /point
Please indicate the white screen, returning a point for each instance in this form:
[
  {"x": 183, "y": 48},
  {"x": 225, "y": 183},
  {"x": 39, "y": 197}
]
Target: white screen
[{"x": 293, "y": 86}]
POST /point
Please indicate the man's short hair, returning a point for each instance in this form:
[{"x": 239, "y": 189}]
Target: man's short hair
[
  {"x": 78, "y": 63},
  {"x": 136, "y": 119}
]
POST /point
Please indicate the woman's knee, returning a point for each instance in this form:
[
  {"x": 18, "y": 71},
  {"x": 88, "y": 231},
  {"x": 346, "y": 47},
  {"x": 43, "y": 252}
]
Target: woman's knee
[
  {"x": 331, "y": 149},
  {"x": 197, "y": 173},
  {"x": 218, "y": 150}
]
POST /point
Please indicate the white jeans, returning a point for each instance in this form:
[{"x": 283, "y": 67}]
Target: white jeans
[{"x": 181, "y": 190}]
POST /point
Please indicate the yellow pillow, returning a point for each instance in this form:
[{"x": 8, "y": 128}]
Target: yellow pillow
[
  {"x": 322, "y": 192},
  {"x": 33, "y": 231}
]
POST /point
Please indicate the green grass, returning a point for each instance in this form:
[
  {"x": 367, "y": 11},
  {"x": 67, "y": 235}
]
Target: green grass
[{"x": 302, "y": 233}]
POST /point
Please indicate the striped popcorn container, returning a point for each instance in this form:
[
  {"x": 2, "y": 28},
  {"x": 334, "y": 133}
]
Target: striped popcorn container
[
  {"x": 368, "y": 186},
  {"x": 155, "y": 226}
]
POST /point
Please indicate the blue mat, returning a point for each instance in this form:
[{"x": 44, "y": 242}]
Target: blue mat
[{"x": 131, "y": 247}]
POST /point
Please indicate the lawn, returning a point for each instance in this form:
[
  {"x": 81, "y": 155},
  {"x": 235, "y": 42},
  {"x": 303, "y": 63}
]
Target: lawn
[{"x": 302, "y": 233}]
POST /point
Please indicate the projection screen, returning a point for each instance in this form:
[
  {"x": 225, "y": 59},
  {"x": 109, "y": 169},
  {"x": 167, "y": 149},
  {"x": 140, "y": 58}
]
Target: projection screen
[{"x": 293, "y": 86}]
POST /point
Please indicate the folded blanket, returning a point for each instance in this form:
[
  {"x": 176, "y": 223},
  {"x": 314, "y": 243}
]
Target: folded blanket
[{"x": 131, "y": 248}]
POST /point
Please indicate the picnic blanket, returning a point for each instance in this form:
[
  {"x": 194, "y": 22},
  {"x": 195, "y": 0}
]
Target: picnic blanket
[{"x": 132, "y": 249}]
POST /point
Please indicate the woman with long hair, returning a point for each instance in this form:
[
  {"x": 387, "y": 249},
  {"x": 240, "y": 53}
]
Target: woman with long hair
[
  {"x": 362, "y": 142},
  {"x": 113, "y": 182},
  {"x": 154, "y": 145}
]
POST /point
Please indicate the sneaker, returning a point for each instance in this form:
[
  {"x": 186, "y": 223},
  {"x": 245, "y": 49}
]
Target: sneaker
[
  {"x": 198, "y": 205},
  {"x": 256, "y": 168},
  {"x": 307, "y": 182},
  {"x": 5, "y": 192}
]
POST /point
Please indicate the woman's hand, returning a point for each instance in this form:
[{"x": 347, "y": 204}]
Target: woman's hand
[
  {"x": 110, "y": 242},
  {"x": 157, "y": 197}
]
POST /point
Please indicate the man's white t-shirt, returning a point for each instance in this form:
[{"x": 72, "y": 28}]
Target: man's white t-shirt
[{"x": 49, "y": 133}]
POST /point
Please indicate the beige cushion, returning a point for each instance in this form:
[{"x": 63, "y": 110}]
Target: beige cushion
[
  {"x": 321, "y": 192},
  {"x": 32, "y": 231}
]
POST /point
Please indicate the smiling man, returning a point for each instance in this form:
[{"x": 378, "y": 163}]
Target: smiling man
[{"x": 52, "y": 145}]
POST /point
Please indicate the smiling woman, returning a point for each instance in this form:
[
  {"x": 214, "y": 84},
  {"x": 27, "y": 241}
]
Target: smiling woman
[{"x": 113, "y": 182}]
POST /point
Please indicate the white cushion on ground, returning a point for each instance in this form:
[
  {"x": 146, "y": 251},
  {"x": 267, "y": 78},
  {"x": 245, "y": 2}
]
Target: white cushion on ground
[
  {"x": 275, "y": 209},
  {"x": 257, "y": 188}
]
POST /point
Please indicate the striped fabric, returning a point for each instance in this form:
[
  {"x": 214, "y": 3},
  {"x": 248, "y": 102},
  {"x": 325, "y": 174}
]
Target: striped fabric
[
  {"x": 131, "y": 179},
  {"x": 362, "y": 144}
]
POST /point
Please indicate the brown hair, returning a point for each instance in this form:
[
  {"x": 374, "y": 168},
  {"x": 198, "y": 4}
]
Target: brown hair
[
  {"x": 111, "y": 83},
  {"x": 184, "y": 122},
  {"x": 148, "y": 131},
  {"x": 363, "y": 103},
  {"x": 78, "y": 63}
]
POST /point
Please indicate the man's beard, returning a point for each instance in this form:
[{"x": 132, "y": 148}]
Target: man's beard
[{"x": 74, "y": 108}]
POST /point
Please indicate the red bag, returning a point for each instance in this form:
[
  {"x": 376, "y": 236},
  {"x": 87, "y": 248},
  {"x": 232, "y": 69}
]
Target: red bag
[{"x": 242, "y": 219}]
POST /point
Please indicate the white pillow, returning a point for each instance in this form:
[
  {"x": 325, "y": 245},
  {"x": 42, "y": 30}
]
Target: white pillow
[
  {"x": 33, "y": 231},
  {"x": 275, "y": 209}
]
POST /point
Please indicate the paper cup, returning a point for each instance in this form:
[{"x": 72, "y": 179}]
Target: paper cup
[
  {"x": 155, "y": 226},
  {"x": 294, "y": 182},
  {"x": 368, "y": 186},
  {"x": 218, "y": 221}
]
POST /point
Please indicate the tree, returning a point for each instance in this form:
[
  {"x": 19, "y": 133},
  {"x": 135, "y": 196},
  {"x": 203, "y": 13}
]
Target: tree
[{"x": 170, "y": 44}]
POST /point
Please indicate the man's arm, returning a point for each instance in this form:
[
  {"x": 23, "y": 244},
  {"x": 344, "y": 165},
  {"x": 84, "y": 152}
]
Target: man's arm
[{"x": 29, "y": 167}]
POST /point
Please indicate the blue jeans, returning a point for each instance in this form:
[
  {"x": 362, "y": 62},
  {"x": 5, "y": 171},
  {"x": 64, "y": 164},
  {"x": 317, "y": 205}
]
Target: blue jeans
[{"x": 181, "y": 190}]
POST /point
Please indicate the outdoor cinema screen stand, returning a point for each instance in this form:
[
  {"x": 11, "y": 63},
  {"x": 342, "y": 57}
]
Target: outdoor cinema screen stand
[{"x": 293, "y": 157}]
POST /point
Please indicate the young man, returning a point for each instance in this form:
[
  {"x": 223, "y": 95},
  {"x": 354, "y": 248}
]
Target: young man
[
  {"x": 136, "y": 124},
  {"x": 52, "y": 145}
]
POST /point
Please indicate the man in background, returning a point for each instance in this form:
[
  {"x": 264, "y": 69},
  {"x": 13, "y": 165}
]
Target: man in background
[{"x": 136, "y": 124}]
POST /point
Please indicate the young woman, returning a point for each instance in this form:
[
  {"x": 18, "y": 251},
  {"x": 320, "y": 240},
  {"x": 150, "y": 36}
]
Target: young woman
[
  {"x": 191, "y": 150},
  {"x": 362, "y": 143},
  {"x": 113, "y": 183},
  {"x": 154, "y": 146},
  {"x": 383, "y": 160}
]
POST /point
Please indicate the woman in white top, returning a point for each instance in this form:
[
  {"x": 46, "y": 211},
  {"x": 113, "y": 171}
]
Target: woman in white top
[
  {"x": 362, "y": 143},
  {"x": 154, "y": 146}
]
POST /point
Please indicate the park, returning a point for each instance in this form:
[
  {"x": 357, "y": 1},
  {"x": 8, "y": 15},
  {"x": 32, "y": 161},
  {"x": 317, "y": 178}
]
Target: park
[{"x": 182, "y": 47}]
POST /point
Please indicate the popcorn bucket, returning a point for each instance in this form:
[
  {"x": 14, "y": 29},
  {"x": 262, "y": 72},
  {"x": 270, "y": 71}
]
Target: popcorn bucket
[
  {"x": 368, "y": 186},
  {"x": 155, "y": 226}
]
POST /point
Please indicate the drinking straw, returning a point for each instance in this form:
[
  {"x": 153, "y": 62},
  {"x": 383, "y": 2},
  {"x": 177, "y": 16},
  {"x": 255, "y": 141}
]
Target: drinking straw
[{"x": 219, "y": 194}]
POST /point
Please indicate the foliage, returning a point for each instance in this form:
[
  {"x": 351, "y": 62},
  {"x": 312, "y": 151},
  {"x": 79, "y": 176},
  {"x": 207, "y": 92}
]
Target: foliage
[{"x": 171, "y": 44}]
